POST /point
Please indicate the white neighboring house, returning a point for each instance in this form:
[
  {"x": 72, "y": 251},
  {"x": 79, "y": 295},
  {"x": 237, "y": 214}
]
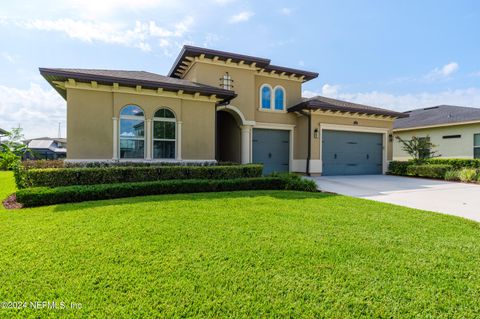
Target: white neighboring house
[
  {"x": 47, "y": 148},
  {"x": 454, "y": 130}
]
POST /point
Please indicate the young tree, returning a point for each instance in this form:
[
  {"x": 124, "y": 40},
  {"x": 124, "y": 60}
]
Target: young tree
[
  {"x": 419, "y": 148},
  {"x": 12, "y": 150}
]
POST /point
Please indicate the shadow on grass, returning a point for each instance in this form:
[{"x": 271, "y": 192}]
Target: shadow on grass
[{"x": 279, "y": 194}]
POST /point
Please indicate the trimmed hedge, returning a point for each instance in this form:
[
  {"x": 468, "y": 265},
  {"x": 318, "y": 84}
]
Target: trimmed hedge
[
  {"x": 31, "y": 164},
  {"x": 398, "y": 167},
  {"x": 428, "y": 170},
  {"x": 40, "y": 196},
  {"x": 141, "y": 163},
  {"x": 107, "y": 175},
  {"x": 456, "y": 163}
]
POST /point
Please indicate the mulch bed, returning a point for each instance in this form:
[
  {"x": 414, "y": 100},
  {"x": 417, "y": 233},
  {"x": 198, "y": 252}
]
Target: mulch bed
[{"x": 11, "y": 202}]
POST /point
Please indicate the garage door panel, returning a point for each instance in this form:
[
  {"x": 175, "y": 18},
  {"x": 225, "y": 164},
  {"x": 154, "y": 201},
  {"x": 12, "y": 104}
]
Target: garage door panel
[
  {"x": 271, "y": 148},
  {"x": 351, "y": 153}
]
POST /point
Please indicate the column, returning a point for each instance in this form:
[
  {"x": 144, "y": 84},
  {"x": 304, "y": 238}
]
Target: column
[
  {"x": 115, "y": 138},
  {"x": 179, "y": 140},
  {"x": 148, "y": 140},
  {"x": 246, "y": 132}
]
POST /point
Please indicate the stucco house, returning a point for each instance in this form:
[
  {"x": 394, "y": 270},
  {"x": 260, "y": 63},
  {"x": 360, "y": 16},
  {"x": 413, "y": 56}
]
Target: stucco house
[
  {"x": 220, "y": 106},
  {"x": 454, "y": 130}
]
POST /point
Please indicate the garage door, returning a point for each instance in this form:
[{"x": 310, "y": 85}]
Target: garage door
[
  {"x": 351, "y": 153},
  {"x": 271, "y": 148}
]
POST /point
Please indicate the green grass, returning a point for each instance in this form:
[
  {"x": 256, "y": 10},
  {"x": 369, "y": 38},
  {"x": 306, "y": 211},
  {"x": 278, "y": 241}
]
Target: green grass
[
  {"x": 242, "y": 254},
  {"x": 7, "y": 186}
]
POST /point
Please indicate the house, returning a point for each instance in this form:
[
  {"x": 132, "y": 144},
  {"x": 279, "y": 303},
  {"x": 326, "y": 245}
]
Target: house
[
  {"x": 46, "y": 148},
  {"x": 220, "y": 106},
  {"x": 454, "y": 130}
]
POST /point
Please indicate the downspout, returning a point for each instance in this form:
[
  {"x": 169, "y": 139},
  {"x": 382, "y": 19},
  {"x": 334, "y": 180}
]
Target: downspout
[{"x": 309, "y": 139}]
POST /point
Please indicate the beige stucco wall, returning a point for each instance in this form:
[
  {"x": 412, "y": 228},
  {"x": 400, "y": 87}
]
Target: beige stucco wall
[
  {"x": 89, "y": 124},
  {"x": 449, "y": 148},
  {"x": 90, "y": 116}
]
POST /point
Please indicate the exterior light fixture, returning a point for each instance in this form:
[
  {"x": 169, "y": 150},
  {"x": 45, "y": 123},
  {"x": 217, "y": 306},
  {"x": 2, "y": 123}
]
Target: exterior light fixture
[
  {"x": 390, "y": 137},
  {"x": 355, "y": 123},
  {"x": 315, "y": 133}
]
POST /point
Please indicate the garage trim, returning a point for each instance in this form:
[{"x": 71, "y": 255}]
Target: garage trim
[
  {"x": 276, "y": 126},
  {"x": 366, "y": 129}
]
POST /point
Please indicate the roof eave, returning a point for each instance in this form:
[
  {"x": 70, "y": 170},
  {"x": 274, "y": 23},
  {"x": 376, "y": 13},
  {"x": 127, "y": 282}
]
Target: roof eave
[{"x": 45, "y": 72}]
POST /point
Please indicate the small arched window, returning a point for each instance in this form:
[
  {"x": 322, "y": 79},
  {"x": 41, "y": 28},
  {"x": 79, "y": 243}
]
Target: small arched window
[
  {"x": 132, "y": 132},
  {"x": 164, "y": 134},
  {"x": 279, "y": 95},
  {"x": 266, "y": 97}
]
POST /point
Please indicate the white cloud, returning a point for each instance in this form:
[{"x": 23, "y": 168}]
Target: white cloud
[
  {"x": 286, "y": 11},
  {"x": 403, "y": 102},
  {"x": 443, "y": 72},
  {"x": 140, "y": 35},
  {"x": 7, "y": 56},
  {"x": 241, "y": 17},
  {"x": 38, "y": 111}
]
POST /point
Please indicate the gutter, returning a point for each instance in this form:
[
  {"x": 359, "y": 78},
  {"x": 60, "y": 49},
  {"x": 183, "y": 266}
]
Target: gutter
[{"x": 309, "y": 139}]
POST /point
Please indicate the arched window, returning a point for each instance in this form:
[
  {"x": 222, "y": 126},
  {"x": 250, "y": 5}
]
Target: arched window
[
  {"x": 266, "y": 97},
  {"x": 279, "y": 94},
  {"x": 164, "y": 134},
  {"x": 132, "y": 132}
]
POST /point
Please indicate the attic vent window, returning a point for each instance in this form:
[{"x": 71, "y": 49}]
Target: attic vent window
[{"x": 226, "y": 82}]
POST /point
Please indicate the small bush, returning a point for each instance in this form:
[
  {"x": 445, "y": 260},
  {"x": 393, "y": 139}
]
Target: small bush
[
  {"x": 467, "y": 174},
  {"x": 452, "y": 175},
  {"x": 428, "y": 170},
  {"x": 106, "y": 175},
  {"x": 40, "y": 196},
  {"x": 399, "y": 167},
  {"x": 30, "y": 164}
]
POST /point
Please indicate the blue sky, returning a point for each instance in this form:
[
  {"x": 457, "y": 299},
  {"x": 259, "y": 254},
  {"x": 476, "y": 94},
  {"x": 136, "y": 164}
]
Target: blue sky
[{"x": 395, "y": 54}]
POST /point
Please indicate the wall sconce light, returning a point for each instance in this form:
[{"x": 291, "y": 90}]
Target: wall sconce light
[
  {"x": 390, "y": 137},
  {"x": 315, "y": 133},
  {"x": 355, "y": 123}
]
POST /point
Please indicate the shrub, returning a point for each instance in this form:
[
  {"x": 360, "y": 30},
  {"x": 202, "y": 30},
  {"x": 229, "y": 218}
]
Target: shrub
[
  {"x": 29, "y": 164},
  {"x": 39, "y": 196},
  {"x": 456, "y": 163},
  {"x": 467, "y": 174},
  {"x": 428, "y": 170},
  {"x": 296, "y": 182},
  {"x": 116, "y": 163},
  {"x": 399, "y": 167},
  {"x": 452, "y": 175},
  {"x": 106, "y": 175}
]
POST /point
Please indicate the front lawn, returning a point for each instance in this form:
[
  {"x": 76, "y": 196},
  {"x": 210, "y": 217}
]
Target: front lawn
[{"x": 239, "y": 254}]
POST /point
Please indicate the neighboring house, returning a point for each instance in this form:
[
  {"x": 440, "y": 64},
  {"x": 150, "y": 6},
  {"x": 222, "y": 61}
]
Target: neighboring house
[
  {"x": 46, "y": 148},
  {"x": 220, "y": 106},
  {"x": 454, "y": 130},
  {"x": 2, "y": 134}
]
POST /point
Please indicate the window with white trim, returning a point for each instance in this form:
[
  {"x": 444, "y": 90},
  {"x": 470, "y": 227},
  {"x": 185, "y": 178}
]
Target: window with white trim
[
  {"x": 476, "y": 145},
  {"x": 279, "y": 98},
  {"x": 265, "y": 97},
  {"x": 132, "y": 132},
  {"x": 164, "y": 134}
]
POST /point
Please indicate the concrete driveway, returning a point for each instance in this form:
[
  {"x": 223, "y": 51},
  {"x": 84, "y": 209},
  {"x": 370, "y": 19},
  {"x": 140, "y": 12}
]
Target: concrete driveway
[{"x": 457, "y": 199}]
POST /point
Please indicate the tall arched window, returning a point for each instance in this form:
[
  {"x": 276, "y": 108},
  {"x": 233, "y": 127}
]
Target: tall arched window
[
  {"x": 132, "y": 132},
  {"x": 279, "y": 95},
  {"x": 266, "y": 97},
  {"x": 164, "y": 134}
]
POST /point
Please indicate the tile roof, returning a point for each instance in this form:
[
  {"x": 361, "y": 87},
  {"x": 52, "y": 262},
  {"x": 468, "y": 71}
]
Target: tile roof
[
  {"x": 131, "y": 78},
  {"x": 438, "y": 115},
  {"x": 325, "y": 103},
  {"x": 192, "y": 51}
]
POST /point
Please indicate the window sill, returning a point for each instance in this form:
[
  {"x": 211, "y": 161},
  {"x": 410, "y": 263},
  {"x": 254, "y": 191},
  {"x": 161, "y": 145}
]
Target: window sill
[{"x": 271, "y": 111}]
